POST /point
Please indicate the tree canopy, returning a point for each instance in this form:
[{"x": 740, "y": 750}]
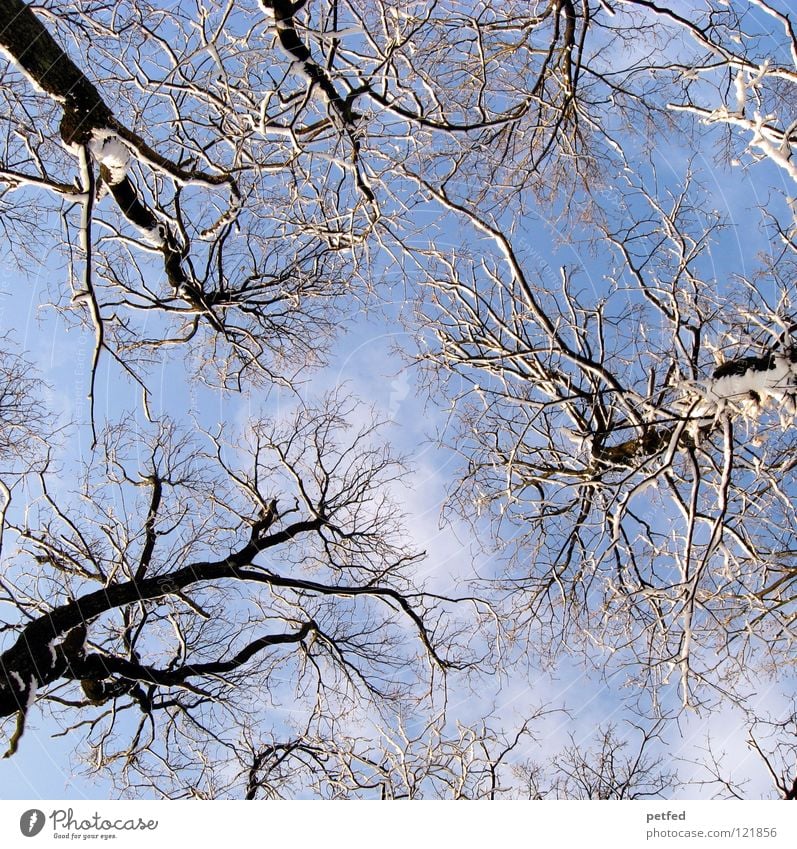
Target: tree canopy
[{"x": 576, "y": 215}]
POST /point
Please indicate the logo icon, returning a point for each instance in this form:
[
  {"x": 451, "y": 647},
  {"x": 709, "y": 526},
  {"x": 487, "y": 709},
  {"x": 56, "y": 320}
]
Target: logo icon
[{"x": 31, "y": 822}]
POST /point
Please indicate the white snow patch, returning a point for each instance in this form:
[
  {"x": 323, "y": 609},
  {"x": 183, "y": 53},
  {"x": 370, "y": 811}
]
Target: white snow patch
[
  {"x": 576, "y": 438},
  {"x": 339, "y": 34},
  {"x": 34, "y": 686},
  {"x": 51, "y": 647},
  {"x": 741, "y": 92},
  {"x": 156, "y": 236},
  {"x": 645, "y": 485},
  {"x": 18, "y": 679},
  {"x": 109, "y": 150},
  {"x": 30, "y": 78},
  {"x": 751, "y": 390},
  {"x": 776, "y": 148}
]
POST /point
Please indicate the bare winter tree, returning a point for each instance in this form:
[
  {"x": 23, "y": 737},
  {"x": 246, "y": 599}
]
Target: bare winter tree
[
  {"x": 22, "y": 425},
  {"x": 428, "y": 760},
  {"x": 231, "y": 181},
  {"x": 615, "y": 766},
  {"x": 433, "y": 761},
  {"x": 168, "y": 227},
  {"x": 193, "y": 591},
  {"x": 214, "y": 176},
  {"x": 627, "y": 425},
  {"x": 22, "y": 412},
  {"x": 770, "y": 741},
  {"x": 633, "y": 461}
]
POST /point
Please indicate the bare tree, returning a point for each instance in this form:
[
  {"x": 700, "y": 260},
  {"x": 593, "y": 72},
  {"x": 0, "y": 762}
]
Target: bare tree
[
  {"x": 22, "y": 425},
  {"x": 436, "y": 761},
  {"x": 232, "y": 181},
  {"x": 217, "y": 185},
  {"x": 770, "y": 738},
  {"x": 631, "y": 458},
  {"x": 186, "y": 246},
  {"x": 192, "y": 591},
  {"x": 780, "y": 763},
  {"x": 22, "y": 411},
  {"x": 401, "y": 759},
  {"x": 616, "y": 766},
  {"x": 235, "y": 231}
]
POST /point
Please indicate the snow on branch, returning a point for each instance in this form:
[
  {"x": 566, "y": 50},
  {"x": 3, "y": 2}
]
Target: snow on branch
[
  {"x": 751, "y": 383},
  {"x": 110, "y": 151}
]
